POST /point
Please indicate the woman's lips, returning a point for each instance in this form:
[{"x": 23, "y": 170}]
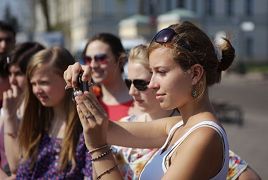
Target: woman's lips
[{"x": 159, "y": 96}]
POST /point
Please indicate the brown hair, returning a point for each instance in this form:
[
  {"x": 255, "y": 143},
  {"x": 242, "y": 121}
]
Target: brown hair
[
  {"x": 114, "y": 43},
  {"x": 36, "y": 120},
  {"x": 201, "y": 51},
  {"x": 22, "y": 54}
]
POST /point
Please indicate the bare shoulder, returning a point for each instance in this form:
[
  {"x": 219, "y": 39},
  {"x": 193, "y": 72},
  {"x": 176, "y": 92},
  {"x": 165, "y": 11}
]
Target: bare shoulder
[
  {"x": 171, "y": 121},
  {"x": 205, "y": 139},
  {"x": 200, "y": 156}
]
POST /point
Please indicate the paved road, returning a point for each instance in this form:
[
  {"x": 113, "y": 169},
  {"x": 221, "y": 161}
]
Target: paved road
[{"x": 250, "y": 94}]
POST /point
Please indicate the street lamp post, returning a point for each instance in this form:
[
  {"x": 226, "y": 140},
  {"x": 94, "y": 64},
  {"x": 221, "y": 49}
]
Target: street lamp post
[{"x": 245, "y": 26}]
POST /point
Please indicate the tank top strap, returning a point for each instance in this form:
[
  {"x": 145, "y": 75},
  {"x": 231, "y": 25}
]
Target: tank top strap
[
  {"x": 171, "y": 132},
  {"x": 210, "y": 124}
]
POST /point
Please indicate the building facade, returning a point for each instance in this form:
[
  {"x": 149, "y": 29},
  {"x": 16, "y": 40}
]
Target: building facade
[{"x": 245, "y": 22}]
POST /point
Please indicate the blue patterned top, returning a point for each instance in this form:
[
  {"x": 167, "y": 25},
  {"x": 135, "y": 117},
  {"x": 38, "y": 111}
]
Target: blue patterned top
[{"x": 46, "y": 165}]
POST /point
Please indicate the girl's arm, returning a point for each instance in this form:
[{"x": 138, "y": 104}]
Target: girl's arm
[
  {"x": 140, "y": 134},
  {"x": 11, "y": 144},
  {"x": 11, "y": 127}
]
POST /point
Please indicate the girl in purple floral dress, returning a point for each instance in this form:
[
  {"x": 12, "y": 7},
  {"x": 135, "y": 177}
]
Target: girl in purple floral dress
[{"x": 50, "y": 143}]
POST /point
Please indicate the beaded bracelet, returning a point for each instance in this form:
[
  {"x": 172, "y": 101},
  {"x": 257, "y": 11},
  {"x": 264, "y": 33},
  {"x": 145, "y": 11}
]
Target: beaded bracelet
[
  {"x": 107, "y": 171},
  {"x": 102, "y": 155},
  {"x": 97, "y": 149}
]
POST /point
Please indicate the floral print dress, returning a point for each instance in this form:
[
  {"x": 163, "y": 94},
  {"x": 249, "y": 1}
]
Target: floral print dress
[
  {"x": 46, "y": 165},
  {"x": 131, "y": 160},
  {"x": 236, "y": 166}
]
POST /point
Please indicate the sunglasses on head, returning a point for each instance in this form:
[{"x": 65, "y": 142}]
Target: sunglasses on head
[
  {"x": 100, "y": 58},
  {"x": 139, "y": 84},
  {"x": 166, "y": 35}
]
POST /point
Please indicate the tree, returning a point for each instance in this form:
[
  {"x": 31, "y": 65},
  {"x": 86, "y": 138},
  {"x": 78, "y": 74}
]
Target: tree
[
  {"x": 10, "y": 18},
  {"x": 45, "y": 10}
]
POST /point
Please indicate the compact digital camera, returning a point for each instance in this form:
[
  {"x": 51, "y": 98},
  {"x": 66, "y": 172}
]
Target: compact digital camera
[{"x": 82, "y": 85}]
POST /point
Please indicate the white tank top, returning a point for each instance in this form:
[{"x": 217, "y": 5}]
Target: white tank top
[{"x": 158, "y": 164}]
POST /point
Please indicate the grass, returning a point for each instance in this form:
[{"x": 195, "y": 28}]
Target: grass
[{"x": 257, "y": 68}]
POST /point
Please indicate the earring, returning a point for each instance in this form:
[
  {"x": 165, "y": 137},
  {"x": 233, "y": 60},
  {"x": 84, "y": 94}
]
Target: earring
[{"x": 194, "y": 93}]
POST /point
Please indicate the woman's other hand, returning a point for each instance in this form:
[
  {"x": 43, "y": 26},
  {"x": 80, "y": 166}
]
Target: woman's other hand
[
  {"x": 93, "y": 119},
  {"x": 11, "y": 101},
  {"x": 71, "y": 74}
]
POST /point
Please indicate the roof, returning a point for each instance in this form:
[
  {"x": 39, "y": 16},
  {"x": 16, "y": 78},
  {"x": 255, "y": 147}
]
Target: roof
[
  {"x": 135, "y": 19},
  {"x": 177, "y": 14}
]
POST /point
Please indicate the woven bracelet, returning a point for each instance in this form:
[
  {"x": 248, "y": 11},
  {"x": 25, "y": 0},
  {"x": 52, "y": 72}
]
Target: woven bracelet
[
  {"x": 107, "y": 171},
  {"x": 102, "y": 155},
  {"x": 97, "y": 149}
]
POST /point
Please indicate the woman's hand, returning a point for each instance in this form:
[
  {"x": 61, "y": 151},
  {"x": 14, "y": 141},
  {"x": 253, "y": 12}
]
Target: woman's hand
[
  {"x": 11, "y": 101},
  {"x": 72, "y": 72},
  {"x": 93, "y": 119}
]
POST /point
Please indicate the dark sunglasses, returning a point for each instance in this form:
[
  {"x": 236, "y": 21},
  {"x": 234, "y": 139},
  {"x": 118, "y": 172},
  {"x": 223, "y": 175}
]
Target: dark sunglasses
[
  {"x": 139, "y": 84},
  {"x": 166, "y": 35},
  {"x": 100, "y": 58}
]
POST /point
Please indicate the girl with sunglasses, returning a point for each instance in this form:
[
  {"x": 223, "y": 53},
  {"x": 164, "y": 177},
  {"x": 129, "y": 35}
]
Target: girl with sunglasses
[
  {"x": 132, "y": 160},
  {"x": 184, "y": 64},
  {"x": 106, "y": 56}
]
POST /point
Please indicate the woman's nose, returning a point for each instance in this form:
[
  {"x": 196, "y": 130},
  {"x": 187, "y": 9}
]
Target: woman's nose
[
  {"x": 37, "y": 89},
  {"x": 94, "y": 63},
  {"x": 12, "y": 79},
  {"x": 132, "y": 90}
]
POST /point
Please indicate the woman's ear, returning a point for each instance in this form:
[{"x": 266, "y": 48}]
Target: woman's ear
[{"x": 197, "y": 72}]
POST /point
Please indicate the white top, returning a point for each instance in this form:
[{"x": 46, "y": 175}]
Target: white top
[{"x": 158, "y": 164}]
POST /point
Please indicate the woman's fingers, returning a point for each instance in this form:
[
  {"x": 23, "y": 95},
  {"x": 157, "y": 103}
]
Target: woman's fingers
[
  {"x": 95, "y": 108},
  {"x": 93, "y": 124},
  {"x": 86, "y": 76},
  {"x": 87, "y": 119},
  {"x": 75, "y": 71},
  {"x": 70, "y": 75},
  {"x": 67, "y": 77},
  {"x": 15, "y": 90},
  {"x": 72, "y": 72},
  {"x": 90, "y": 109},
  {"x": 11, "y": 100},
  {"x": 82, "y": 118}
]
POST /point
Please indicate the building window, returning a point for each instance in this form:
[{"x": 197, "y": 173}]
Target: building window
[
  {"x": 194, "y": 5},
  {"x": 249, "y": 7},
  {"x": 180, "y": 4},
  {"x": 249, "y": 47},
  {"x": 229, "y": 7},
  {"x": 209, "y": 7},
  {"x": 168, "y": 5}
]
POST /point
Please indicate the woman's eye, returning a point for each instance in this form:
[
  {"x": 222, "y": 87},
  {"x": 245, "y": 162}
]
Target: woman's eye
[
  {"x": 161, "y": 71},
  {"x": 44, "y": 82}
]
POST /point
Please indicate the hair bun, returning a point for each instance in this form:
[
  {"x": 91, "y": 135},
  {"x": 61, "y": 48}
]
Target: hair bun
[{"x": 228, "y": 55}]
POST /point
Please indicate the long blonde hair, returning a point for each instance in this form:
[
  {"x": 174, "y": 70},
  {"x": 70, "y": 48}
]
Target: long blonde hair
[{"x": 37, "y": 118}]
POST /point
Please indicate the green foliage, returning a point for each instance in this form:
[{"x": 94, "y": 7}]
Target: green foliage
[{"x": 263, "y": 68}]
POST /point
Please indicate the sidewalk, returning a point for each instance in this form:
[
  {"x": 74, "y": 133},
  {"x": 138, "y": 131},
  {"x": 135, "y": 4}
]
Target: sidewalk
[{"x": 252, "y": 76}]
